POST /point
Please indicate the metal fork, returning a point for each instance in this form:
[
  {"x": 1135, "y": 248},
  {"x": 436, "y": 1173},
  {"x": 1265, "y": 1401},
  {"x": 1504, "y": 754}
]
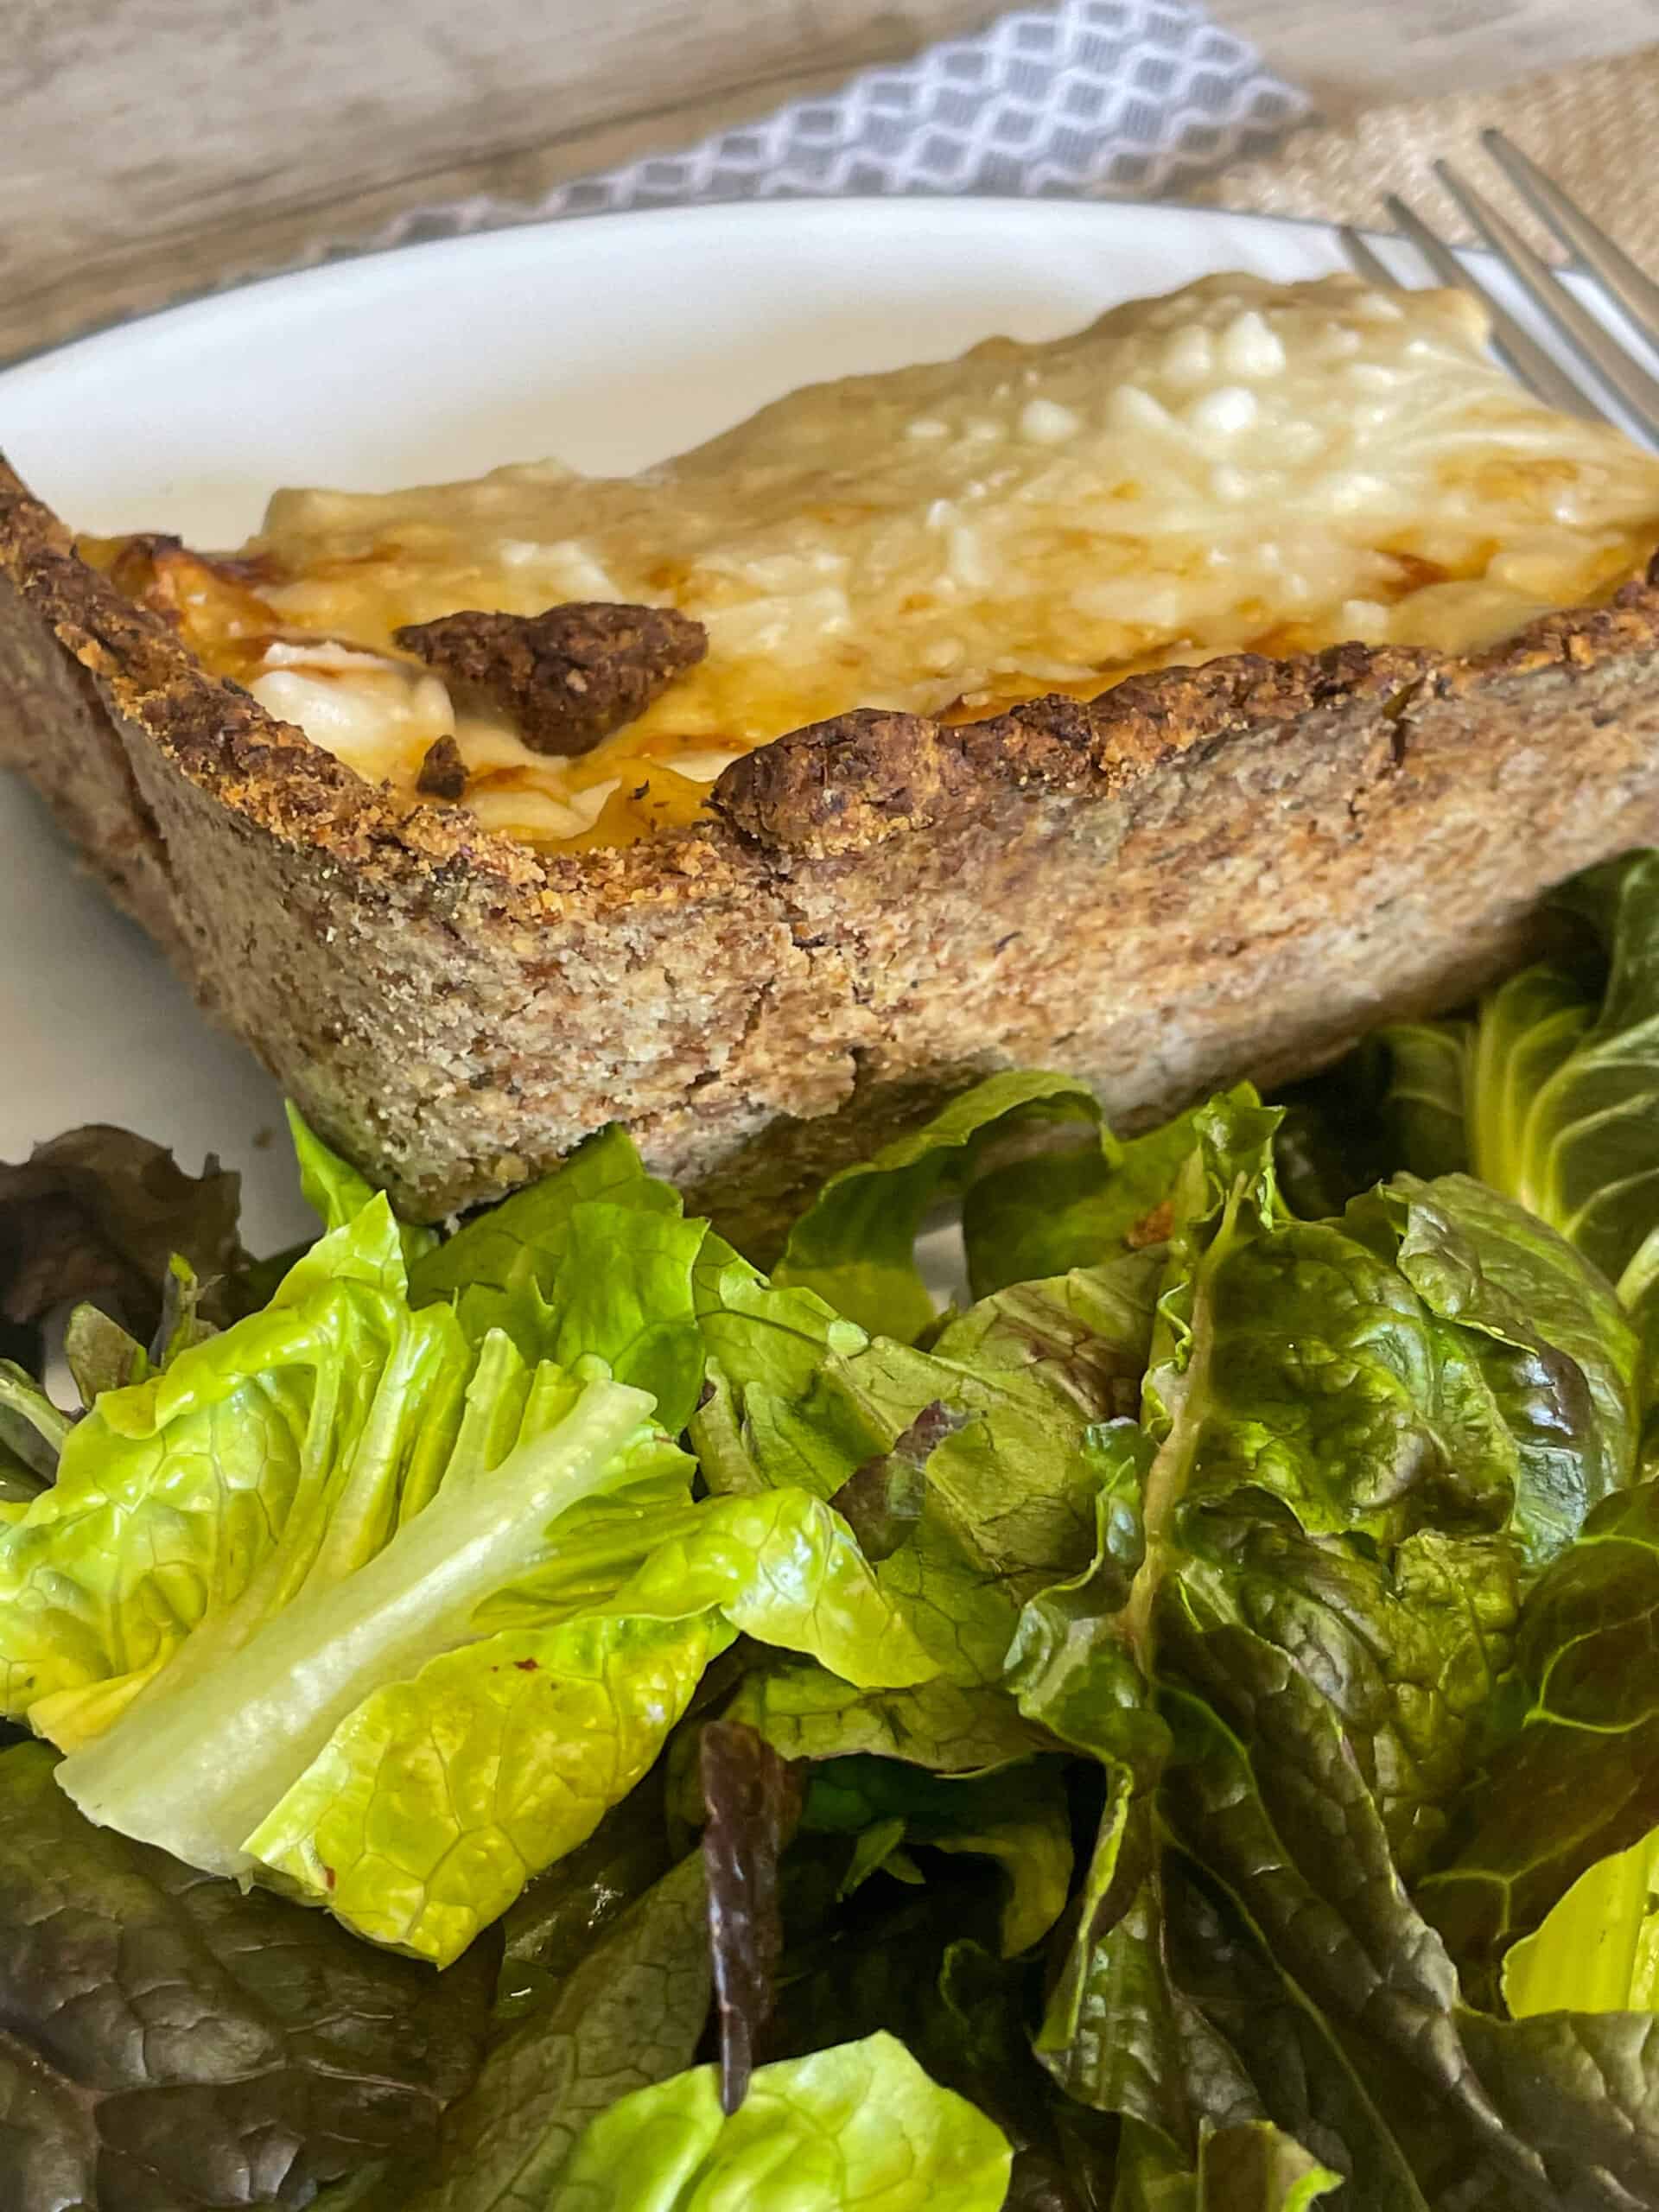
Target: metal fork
[{"x": 1613, "y": 368}]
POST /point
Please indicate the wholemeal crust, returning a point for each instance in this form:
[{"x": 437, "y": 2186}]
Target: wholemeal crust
[{"x": 1207, "y": 874}]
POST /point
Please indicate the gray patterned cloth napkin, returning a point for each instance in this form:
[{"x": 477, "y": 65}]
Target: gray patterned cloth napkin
[{"x": 1127, "y": 99}]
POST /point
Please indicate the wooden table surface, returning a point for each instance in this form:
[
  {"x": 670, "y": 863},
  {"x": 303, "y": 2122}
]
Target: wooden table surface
[{"x": 153, "y": 147}]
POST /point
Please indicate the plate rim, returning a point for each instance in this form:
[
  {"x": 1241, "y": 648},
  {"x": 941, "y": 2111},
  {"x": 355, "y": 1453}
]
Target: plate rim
[{"x": 332, "y": 260}]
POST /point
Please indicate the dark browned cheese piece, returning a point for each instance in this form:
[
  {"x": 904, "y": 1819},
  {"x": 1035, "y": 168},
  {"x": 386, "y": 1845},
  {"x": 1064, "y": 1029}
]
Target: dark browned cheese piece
[
  {"x": 444, "y": 772},
  {"x": 569, "y": 676}
]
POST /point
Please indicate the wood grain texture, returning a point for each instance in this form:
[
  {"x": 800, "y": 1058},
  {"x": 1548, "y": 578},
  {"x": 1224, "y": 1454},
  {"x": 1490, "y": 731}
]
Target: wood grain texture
[
  {"x": 1352, "y": 54},
  {"x": 152, "y": 148}
]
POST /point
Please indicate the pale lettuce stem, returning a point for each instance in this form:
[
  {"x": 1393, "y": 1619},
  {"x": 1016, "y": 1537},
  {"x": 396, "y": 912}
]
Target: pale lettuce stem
[{"x": 196, "y": 1772}]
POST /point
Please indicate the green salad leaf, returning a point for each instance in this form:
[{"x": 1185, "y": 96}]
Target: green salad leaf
[
  {"x": 1564, "y": 1078},
  {"x": 1180, "y": 1735},
  {"x": 1573, "y": 1777},
  {"x": 858, "y": 2124},
  {"x": 299, "y": 1604},
  {"x": 629, "y": 2014},
  {"x": 1054, "y": 1190},
  {"x": 1596, "y": 1948},
  {"x": 855, "y": 1244}
]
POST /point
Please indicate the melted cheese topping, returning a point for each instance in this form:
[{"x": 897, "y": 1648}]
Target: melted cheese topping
[{"x": 1238, "y": 465}]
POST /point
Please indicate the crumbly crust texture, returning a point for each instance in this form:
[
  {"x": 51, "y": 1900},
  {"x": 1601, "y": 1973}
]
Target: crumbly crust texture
[{"x": 1227, "y": 871}]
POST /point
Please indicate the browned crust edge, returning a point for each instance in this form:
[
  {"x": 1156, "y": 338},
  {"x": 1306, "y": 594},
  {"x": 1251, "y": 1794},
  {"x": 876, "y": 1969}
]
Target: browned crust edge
[{"x": 825, "y": 887}]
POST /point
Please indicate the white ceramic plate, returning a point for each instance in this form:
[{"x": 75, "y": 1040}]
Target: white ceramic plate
[{"x": 609, "y": 342}]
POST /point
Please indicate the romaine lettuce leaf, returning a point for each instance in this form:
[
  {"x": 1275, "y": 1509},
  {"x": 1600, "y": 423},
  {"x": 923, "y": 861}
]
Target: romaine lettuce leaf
[
  {"x": 1565, "y": 1077},
  {"x": 1596, "y": 1948},
  {"x": 858, "y": 2124},
  {"x": 284, "y": 1598},
  {"x": 418, "y": 1820},
  {"x": 208, "y": 1494},
  {"x": 1573, "y": 1778},
  {"x": 198, "y": 1764},
  {"x": 1422, "y": 1106}
]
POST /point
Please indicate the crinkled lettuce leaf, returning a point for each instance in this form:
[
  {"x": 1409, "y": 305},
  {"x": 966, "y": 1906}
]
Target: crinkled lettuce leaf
[
  {"x": 594, "y": 1258},
  {"x": 420, "y": 1817},
  {"x": 1053, "y": 1190},
  {"x": 98, "y": 1214},
  {"x": 1560, "y": 1356},
  {"x": 236, "y": 1720},
  {"x": 204, "y": 1496},
  {"x": 858, "y": 2124},
  {"x": 170, "y": 2039},
  {"x": 391, "y": 1616},
  {"x": 1286, "y": 1689},
  {"x": 1008, "y": 1490},
  {"x": 629, "y": 2014},
  {"x": 1573, "y": 1777}
]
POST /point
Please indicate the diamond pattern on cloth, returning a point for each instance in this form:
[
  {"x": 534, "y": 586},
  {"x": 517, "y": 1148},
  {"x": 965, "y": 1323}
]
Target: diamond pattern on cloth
[{"x": 1127, "y": 99}]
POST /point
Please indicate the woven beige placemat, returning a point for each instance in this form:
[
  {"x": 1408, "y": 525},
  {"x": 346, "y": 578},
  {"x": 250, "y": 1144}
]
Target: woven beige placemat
[{"x": 1593, "y": 127}]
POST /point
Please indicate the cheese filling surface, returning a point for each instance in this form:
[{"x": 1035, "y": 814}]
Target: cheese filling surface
[{"x": 1237, "y": 466}]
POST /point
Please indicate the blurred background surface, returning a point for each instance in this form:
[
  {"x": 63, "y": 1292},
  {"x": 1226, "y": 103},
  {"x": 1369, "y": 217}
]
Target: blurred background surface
[{"x": 152, "y": 148}]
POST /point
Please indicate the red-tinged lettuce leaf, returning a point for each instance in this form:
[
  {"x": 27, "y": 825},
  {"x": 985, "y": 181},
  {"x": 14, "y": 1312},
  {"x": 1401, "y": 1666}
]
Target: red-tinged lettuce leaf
[
  {"x": 565, "y": 1911},
  {"x": 882, "y": 1501},
  {"x": 631, "y": 2014},
  {"x": 171, "y": 2042},
  {"x": 1324, "y": 1653},
  {"x": 1551, "y": 1338},
  {"x": 753, "y": 1799},
  {"x": 1577, "y": 1777},
  {"x": 1561, "y": 2110},
  {"x": 98, "y": 1214}
]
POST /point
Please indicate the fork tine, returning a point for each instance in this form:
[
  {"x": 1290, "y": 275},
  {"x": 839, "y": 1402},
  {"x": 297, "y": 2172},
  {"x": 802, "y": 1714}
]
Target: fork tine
[
  {"x": 1633, "y": 288},
  {"x": 1638, "y": 390},
  {"x": 1543, "y": 377},
  {"x": 1366, "y": 263}
]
